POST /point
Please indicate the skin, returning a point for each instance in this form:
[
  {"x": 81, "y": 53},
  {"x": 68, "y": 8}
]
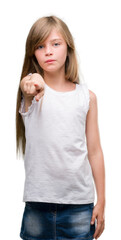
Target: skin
[
  {"x": 54, "y": 73},
  {"x": 96, "y": 159},
  {"x": 32, "y": 86},
  {"x": 54, "y": 76}
]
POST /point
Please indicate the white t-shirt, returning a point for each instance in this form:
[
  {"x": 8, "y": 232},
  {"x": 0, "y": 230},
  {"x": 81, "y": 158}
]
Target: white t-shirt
[{"x": 57, "y": 169}]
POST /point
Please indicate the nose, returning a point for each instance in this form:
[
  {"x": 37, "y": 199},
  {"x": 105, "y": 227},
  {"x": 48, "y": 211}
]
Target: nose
[{"x": 48, "y": 50}]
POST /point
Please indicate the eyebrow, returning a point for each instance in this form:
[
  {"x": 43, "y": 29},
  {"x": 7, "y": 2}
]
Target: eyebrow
[{"x": 55, "y": 39}]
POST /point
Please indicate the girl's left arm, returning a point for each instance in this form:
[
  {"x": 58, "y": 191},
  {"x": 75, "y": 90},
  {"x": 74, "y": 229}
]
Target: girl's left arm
[{"x": 96, "y": 159}]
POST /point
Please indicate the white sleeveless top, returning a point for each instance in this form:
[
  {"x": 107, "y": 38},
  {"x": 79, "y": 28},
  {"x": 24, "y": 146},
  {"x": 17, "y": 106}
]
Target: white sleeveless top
[{"x": 57, "y": 169}]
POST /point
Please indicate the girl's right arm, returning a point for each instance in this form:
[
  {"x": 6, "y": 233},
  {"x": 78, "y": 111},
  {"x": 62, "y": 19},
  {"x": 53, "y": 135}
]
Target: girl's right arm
[{"x": 32, "y": 85}]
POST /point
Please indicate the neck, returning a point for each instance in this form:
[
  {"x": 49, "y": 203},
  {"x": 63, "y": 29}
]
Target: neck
[{"x": 55, "y": 79}]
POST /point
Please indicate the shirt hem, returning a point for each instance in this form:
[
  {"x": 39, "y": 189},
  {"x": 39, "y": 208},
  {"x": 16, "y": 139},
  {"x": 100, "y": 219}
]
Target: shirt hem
[{"x": 59, "y": 201}]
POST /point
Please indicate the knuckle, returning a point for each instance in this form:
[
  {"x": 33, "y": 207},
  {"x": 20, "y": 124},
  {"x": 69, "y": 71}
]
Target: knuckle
[
  {"x": 24, "y": 88},
  {"x": 101, "y": 221},
  {"x": 28, "y": 82}
]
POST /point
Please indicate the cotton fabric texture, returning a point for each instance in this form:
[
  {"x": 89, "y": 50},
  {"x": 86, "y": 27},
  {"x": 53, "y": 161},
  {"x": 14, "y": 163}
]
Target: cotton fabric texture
[
  {"x": 57, "y": 221},
  {"x": 57, "y": 169}
]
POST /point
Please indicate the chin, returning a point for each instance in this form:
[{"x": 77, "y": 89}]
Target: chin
[{"x": 53, "y": 69}]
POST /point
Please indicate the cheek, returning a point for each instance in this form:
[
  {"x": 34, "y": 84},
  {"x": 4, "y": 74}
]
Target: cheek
[
  {"x": 63, "y": 55},
  {"x": 38, "y": 56}
]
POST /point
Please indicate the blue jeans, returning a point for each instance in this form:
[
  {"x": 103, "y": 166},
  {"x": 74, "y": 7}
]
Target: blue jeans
[{"x": 55, "y": 221}]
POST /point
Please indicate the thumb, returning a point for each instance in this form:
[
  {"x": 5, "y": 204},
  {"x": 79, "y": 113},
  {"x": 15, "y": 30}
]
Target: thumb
[{"x": 93, "y": 219}]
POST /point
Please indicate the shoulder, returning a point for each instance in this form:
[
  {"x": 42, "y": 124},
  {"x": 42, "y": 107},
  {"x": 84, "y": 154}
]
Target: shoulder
[
  {"x": 93, "y": 98},
  {"x": 92, "y": 114},
  {"x": 93, "y": 101}
]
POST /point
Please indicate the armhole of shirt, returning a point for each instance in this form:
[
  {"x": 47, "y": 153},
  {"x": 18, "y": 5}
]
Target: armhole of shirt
[{"x": 87, "y": 96}]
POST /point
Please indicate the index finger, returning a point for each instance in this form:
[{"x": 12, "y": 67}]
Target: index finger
[
  {"x": 98, "y": 229},
  {"x": 38, "y": 87}
]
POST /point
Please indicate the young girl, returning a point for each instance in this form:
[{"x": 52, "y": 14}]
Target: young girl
[{"x": 56, "y": 121}]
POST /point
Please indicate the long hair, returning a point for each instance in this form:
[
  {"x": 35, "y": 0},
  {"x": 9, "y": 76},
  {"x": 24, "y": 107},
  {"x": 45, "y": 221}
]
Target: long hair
[{"x": 37, "y": 35}]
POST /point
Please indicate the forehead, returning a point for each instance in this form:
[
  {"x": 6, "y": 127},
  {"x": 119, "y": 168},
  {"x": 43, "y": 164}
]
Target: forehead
[{"x": 55, "y": 35}]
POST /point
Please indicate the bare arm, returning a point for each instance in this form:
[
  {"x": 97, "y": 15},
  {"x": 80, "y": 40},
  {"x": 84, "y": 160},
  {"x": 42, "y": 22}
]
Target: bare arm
[{"x": 96, "y": 159}]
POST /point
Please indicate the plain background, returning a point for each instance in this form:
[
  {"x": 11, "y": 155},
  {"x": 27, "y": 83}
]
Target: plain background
[{"x": 96, "y": 28}]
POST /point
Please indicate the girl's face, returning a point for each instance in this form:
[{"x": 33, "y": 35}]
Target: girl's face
[{"x": 51, "y": 55}]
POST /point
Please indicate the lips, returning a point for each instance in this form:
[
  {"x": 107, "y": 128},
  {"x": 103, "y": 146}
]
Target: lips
[{"x": 49, "y": 60}]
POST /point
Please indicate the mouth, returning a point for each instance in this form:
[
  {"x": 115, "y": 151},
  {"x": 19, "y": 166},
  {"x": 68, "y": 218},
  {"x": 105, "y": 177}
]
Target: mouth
[{"x": 49, "y": 60}]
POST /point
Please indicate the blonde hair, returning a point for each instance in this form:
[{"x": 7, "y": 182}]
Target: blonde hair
[{"x": 37, "y": 35}]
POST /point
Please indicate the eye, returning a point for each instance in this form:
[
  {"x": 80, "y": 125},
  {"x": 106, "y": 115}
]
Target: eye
[
  {"x": 40, "y": 47},
  {"x": 56, "y": 44}
]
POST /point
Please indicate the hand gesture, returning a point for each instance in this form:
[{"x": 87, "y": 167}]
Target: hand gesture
[{"x": 33, "y": 85}]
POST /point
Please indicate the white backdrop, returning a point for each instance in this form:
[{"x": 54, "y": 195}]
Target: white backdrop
[{"x": 96, "y": 28}]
